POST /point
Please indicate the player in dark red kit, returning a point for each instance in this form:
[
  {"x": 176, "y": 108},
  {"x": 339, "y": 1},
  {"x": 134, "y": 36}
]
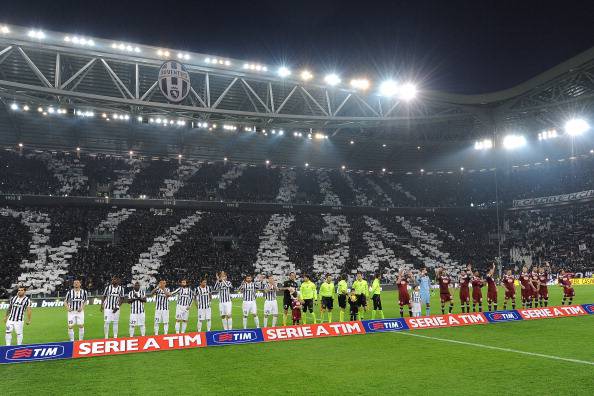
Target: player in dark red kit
[
  {"x": 465, "y": 277},
  {"x": 535, "y": 283},
  {"x": 491, "y": 288},
  {"x": 510, "y": 289},
  {"x": 526, "y": 286},
  {"x": 444, "y": 289},
  {"x": 543, "y": 289},
  {"x": 403, "y": 296},
  {"x": 477, "y": 294},
  {"x": 565, "y": 282}
]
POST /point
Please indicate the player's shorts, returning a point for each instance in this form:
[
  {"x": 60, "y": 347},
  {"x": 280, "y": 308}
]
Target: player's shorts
[
  {"x": 249, "y": 307},
  {"x": 477, "y": 297},
  {"x": 377, "y": 302},
  {"x": 270, "y": 307},
  {"x": 492, "y": 295},
  {"x": 543, "y": 292},
  {"x": 225, "y": 308},
  {"x": 510, "y": 293},
  {"x": 287, "y": 303},
  {"x": 204, "y": 314},
  {"x": 182, "y": 312},
  {"x": 568, "y": 292},
  {"x": 110, "y": 316},
  {"x": 162, "y": 316},
  {"x": 526, "y": 294},
  {"x": 137, "y": 319},
  {"x": 361, "y": 300},
  {"x": 443, "y": 297},
  {"x": 425, "y": 297},
  {"x": 342, "y": 301},
  {"x": 76, "y": 318},
  {"x": 327, "y": 302},
  {"x": 404, "y": 299},
  {"x": 307, "y": 305},
  {"x": 464, "y": 295},
  {"x": 14, "y": 325}
]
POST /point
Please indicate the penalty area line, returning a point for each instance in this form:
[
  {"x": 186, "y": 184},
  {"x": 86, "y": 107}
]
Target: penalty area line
[{"x": 541, "y": 355}]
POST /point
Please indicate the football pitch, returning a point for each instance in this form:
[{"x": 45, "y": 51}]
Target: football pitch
[{"x": 554, "y": 356}]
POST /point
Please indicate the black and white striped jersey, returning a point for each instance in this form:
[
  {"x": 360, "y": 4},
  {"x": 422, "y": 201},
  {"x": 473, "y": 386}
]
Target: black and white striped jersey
[
  {"x": 184, "y": 296},
  {"x": 76, "y": 299},
  {"x": 203, "y": 297},
  {"x": 224, "y": 288},
  {"x": 136, "y": 306},
  {"x": 248, "y": 290},
  {"x": 18, "y": 306},
  {"x": 161, "y": 299},
  {"x": 112, "y": 296},
  {"x": 270, "y": 291}
]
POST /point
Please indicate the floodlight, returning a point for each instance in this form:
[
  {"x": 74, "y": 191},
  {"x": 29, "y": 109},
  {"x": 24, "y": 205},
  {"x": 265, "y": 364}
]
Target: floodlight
[
  {"x": 576, "y": 127},
  {"x": 332, "y": 79},
  {"x": 388, "y": 88},
  {"x": 511, "y": 142},
  {"x": 283, "y": 71}
]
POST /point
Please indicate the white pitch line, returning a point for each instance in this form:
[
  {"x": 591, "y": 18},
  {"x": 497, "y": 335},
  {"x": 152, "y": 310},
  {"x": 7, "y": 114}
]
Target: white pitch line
[{"x": 498, "y": 348}]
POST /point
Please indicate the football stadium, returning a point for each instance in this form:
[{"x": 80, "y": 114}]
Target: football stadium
[{"x": 179, "y": 221}]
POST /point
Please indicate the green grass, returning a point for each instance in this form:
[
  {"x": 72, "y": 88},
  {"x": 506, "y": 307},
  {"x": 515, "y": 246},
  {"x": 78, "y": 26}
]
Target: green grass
[{"x": 370, "y": 364}]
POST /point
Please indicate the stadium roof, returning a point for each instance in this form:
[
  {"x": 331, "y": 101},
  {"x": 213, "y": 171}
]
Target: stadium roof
[{"x": 51, "y": 69}]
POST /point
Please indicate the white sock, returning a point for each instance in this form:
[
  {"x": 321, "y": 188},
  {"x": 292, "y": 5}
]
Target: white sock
[
  {"x": 8, "y": 338},
  {"x": 71, "y": 334},
  {"x": 106, "y": 329},
  {"x": 165, "y": 328},
  {"x": 265, "y": 321},
  {"x": 229, "y": 323},
  {"x": 81, "y": 333},
  {"x": 184, "y": 325},
  {"x": 274, "y": 319},
  {"x": 142, "y": 330},
  {"x": 245, "y": 322},
  {"x": 19, "y": 338},
  {"x": 176, "y": 327},
  {"x": 224, "y": 324},
  {"x": 208, "y": 323},
  {"x": 131, "y": 331},
  {"x": 257, "y": 320},
  {"x": 115, "y": 329},
  {"x": 199, "y": 327},
  {"x": 156, "y": 329}
]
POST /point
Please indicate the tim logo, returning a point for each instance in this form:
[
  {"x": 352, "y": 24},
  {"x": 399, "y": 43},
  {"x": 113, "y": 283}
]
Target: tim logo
[
  {"x": 589, "y": 308},
  {"x": 35, "y": 353},
  {"x": 385, "y": 325},
  {"x": 502, "y": 316},
  {"x": 235, "y": 337}
]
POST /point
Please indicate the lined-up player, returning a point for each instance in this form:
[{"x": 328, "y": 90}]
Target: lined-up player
[
  {"x": 224, "y": 287},
  {"x": 565, "y": 282},
  {"x": 509, "y": 283},
  {"x": 185, "y": 296},
  {"x": 445, "y": 296},
  {"x": 289, "y": 284},
  {"x": 543, "y": 289},
  {"x": 13, "y": 318},
  {"x": 491, "y": 288},
  {"x": 270, "y": 303},
  {"x": 162, "y": 294},
  {"x": 464, "y": 280},
  {"x": 75, "y": 302},
  {"x": 477, "y": 293},
  {"x": 425, "y": 290},
  {"x": 248, "y": 289},
  {"x": 203, "y": 296},
  {"x": 403, "y": 295},
  {"x": 111, "y": 300},
  {"x": 137, "y": 299},
  {"x": 526, "y": 286}
]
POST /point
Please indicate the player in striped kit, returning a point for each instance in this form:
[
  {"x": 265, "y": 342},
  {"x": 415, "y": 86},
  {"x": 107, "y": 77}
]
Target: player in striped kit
[
  {"x": 137, "y": 299},
  {"x": 75, "y": 302},
  {"x": 185, "y": 296},
  {"x": 203, "y": 296},
  {"x": 111, "y": 300},
  {"x": 270, "y": 303},
  {"x": 248, "y": 289},
  {"x": 162, "y": 294},
  {"x": 224, "y": 287},
  {"x": 13, "y": 318}
]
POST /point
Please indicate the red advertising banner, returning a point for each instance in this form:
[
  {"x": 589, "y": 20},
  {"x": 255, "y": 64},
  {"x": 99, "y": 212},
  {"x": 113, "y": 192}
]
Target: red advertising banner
[
  {"x": 312, "y": 331},
  {"x": 118, "y": 346},
  {"x": 552, "y": 312},
  {"x": 451, "y": 320}
]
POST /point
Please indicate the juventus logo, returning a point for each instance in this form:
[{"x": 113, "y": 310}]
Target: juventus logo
[{"x": 174, "y": 81}]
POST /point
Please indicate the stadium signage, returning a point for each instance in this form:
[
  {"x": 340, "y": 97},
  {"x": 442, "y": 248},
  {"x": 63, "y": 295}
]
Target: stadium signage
[
  {"x": 453, "y": 320},
  {"x": 503, "y": 316},
  {"x": 28, "y": 353},
  {"x": 226, "y": 337},
  {"x": 174, "y": 81},
  {"x": 118, "y": 346},
  {"x": 552, "y": 312},
  {"x": 375, "y": 326},
  {"x": 589, "y": 308},
  {"x": 312, "y": 331},
  {"x": 582, "y": 281},
  {"x": 554, "y": 199}
]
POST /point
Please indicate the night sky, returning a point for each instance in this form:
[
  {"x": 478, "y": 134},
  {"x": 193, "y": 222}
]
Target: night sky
[{"x": 456, "y": 46}]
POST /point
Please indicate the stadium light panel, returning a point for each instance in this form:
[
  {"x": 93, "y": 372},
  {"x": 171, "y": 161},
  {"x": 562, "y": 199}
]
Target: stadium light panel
[
  {"x": 14, "y": 106},
  {"x": 20, "y": 145},
  {"x": 306, "y": 164},
  {"x": 26, "y": 108},
  {"x": 332, "y": 79},
  {"x": 267, "y": 162},
  {"x": 4, "y": 30},
  {"x": 36, "y": 34},
  {"x": 283, "y": 71},
  {"x": 352, "y": 142},
  {"x": 360, "y": 83},
  {"x": 225, "y": 159},
  {"x": 576, "y": 127},
  {"x": 461, "y": 169},
  {"x": 383, "y": 169},
  {"x": 343, "y": 167},
  {"x": 306, "y": 75},
  {"x": 549, "y": 134},
  {"x": 485, "y": 144},
  {"x": 388, "y": 88},
  {"x": 512, "y": 142},
  {"x": 407, "y": 92}
]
